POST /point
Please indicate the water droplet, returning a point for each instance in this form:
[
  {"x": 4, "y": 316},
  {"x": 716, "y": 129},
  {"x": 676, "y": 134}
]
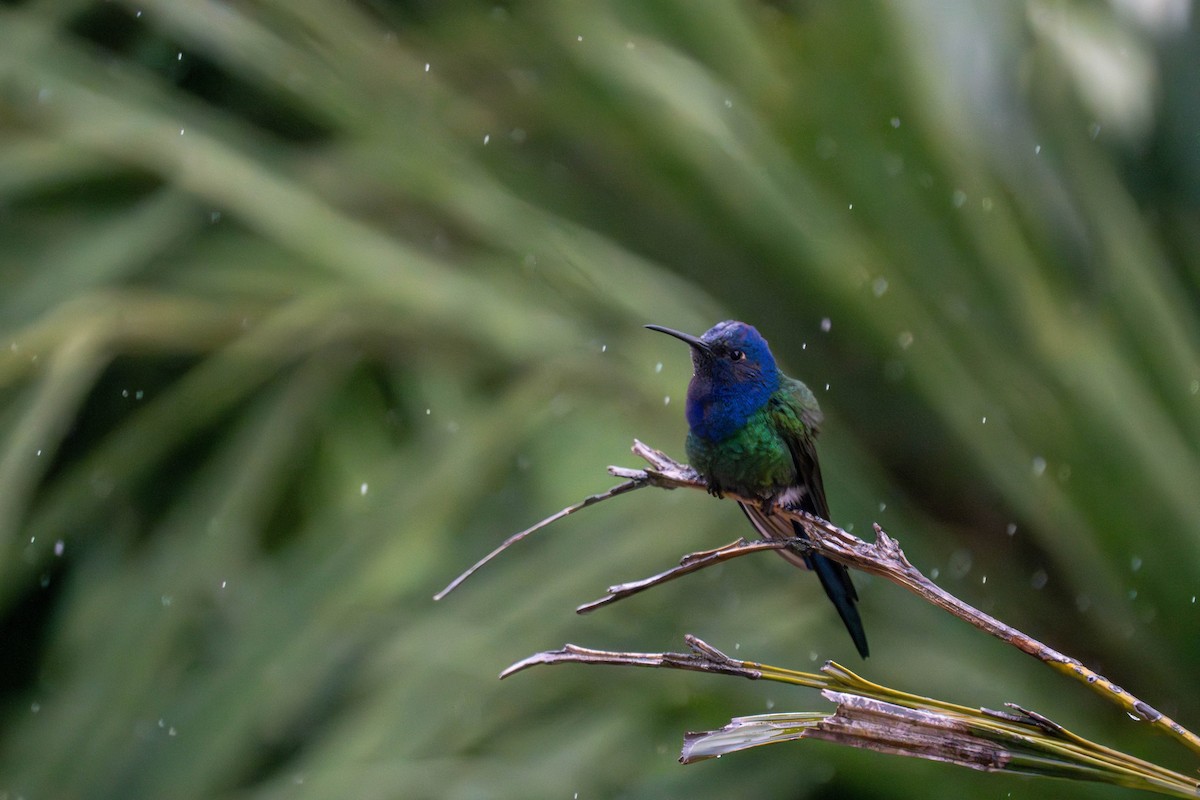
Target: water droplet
[
  {"x": 984, "y": 579},
  {"x": 1039, "y": 579},
  {"x": 171, "y": 731},
  {"x": 139, "y": 394},
  {"x": 167, "y": 600},
  {"x": 879, "y": 286},
  {"x": 1094, "y": 131},
  {"x": 224, "y": 584},
  {"x": 905, "y": 340},
  {"x": 58, "y": 548},
  {"x": 986, "y": 203},
  {"x": 428, "y": 411},
  {"x": 1194, "y": 388},
  {"x": 1037, "y": 149},
  {"x": 1135, "y": 563},
  {"x": 960, "y": 563},
  {"x": 983, "y": 421},
  {"x": 933, "y": 573},
  {"x": 851, "y": 206},
  {"x": 959, "y": 198},
  {"x": 1039, "y": 466},
  {"x": 579, "y": 38},
  {"x": 882, "y": 507},
  {"x": 362, "y": 490},
  {"x": 1010, "y": 528},
  {"x": 667, "y": 400},
  {"x": 728, "y": 103},
  {"x": 603, "y": 348},
  {"x": 895, "y": 122},
  {"x": 124, "y": 393},
  {"x": 1133, "y": 594},
  {"x": 179, "y": 56},
  {"x": 39, "y": 452},
  {"x": 826, "y": 325},
  {"x": 487, "y": 137},
  {"x": 658, "y": 367},
  {"x": 35, "y": 707}
]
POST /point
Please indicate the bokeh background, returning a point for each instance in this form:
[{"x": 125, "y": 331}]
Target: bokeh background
[{"x": 306, "y": 305}]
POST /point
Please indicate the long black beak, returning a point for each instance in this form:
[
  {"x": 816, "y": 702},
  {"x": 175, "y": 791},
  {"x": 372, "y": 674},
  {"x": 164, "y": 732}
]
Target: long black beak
[{"x": 694, "y": 341}]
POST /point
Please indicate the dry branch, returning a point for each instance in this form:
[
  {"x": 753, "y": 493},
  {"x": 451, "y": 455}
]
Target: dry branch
[
  {"x": 883, "y": 557},
  {"x": 873, "y": 717}
]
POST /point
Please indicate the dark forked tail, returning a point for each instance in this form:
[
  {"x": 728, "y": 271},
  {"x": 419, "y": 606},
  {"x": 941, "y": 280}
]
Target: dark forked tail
[{"x": 834, "y": 577}]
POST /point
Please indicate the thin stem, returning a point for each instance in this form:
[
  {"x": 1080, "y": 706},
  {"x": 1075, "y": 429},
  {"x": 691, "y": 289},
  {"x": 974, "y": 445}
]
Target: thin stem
[
  {"x": 689, "y": 563},
  {"x": 621, "y": 488}
]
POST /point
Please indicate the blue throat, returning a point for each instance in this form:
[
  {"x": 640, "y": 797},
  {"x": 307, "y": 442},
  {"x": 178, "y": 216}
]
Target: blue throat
[{"x": 718, "y": 407}]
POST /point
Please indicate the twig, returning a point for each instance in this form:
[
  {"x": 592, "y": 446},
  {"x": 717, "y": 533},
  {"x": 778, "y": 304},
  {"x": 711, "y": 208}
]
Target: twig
[
  {"x": 621, "y": 488},
  {"x": 703, "y": 658},
  {"x": 689, "y": 563}
]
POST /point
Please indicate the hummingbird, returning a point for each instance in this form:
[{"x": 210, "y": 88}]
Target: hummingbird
[{"x": 752, "y": 431}]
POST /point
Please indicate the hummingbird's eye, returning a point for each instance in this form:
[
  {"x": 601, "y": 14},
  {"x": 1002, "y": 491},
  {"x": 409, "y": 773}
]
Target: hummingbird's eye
[{"x": 737, "y": 355}]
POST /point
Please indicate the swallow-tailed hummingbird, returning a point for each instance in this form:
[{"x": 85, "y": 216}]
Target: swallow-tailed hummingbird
[{"x": 752, "y": 431}]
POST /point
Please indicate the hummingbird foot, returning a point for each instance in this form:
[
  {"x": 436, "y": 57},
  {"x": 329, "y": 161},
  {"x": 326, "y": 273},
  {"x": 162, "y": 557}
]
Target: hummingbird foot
[{"x": 767, "y": 505}]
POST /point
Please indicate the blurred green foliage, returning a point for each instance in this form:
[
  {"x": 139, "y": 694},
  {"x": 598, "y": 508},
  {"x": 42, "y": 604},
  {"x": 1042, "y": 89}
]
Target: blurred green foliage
[{"x": 305, "y": 305}]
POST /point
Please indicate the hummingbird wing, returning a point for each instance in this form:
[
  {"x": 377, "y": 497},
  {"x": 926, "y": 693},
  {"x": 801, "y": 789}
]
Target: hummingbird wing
[{"x": 808, "y": 494}]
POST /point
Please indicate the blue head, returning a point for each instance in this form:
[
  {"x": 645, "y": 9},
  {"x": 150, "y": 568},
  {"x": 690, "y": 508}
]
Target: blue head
[{"x": 733, "y": 376}]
